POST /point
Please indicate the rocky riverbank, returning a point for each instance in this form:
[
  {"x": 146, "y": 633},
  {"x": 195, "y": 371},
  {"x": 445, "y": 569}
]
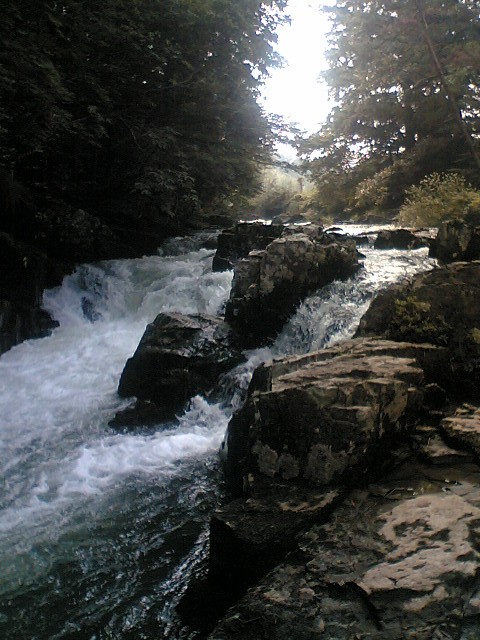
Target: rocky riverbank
[
  {"x": 358, "y": 479},
  {"x": 354, "y": 477}
]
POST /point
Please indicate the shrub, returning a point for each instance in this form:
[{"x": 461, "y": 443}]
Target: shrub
[
  {"x": 438, "y": 197},
  {"x": 413, "y": 321}
]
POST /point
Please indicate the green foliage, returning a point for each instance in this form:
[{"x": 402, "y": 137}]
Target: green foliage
[
  {"x": 279, "y": 190},
  {"x": 372, "y": 193},
  {"x": 413, "y": 322},
  {"x": 392, "y": 123},
  {"x": 439, "y": 197},
  {"x": 148, "y": 100}
]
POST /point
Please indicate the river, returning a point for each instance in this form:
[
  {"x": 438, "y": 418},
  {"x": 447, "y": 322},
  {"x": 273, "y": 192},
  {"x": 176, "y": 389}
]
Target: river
[{"x": 100, "y": 531}]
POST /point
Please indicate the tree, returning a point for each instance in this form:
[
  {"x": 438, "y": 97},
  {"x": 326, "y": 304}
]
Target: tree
[
  {"x": 394, "y": 97},
  {"x": 142, "y": 112}
]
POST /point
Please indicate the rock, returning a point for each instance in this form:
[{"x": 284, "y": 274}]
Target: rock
[
  {"x": 248, "y": 537},
  {"x": 326, "y": 417},
  {"x": 436, "y": 451},
  {"x": 142, "y": 413},
  {"x": 178, "y": 357},
  {"x": 237, "y": 242},
  {"x": 397, "y": 560},
  {"x": 399, "y": 239},
  {"x": 24, "y": 274},
  {"x": 463, "y": 428},
  {"x": 362, "y": 239},
  {"x": 289, "y": 218},
  {"x": 441, "y": 307},
  {"x": 19, "y": 322},
  {"x": 268, "y": 284},
  {"x": 456, "y": 240}
]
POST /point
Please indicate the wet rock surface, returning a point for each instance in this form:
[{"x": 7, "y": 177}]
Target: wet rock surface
[
  {"x": 141, "y": 413},
  {"x": 268, "y": 284},
  {"x": 178, "y": 357}
]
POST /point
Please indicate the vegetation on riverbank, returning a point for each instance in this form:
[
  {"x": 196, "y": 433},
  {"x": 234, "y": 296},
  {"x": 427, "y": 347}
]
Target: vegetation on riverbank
[{"x": 404, "y": 77}]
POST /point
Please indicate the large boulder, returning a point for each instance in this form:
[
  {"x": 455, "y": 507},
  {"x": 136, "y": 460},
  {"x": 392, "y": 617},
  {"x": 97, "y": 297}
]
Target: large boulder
[
  {"x": 268, "y": 284},
  {"x": 24, "y": 274},
  {"x": 441, "y": 307},
  {"x": 325, "y": 417},
  {"x": 399, "y": 239},
  {"x": 237, "y": 242},
  {"x": 457, "y": 240},
  {"x": 178, "y": 357}
]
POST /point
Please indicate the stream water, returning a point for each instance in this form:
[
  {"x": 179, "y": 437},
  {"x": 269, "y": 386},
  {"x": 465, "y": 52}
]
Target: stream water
[{"x": 100, "y": 531}]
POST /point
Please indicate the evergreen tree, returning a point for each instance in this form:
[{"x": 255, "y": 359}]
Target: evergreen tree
[{"x": 394, "y": 102}]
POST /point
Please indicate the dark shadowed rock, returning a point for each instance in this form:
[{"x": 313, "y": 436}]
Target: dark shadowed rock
[
  {"x": 178, "y": 357},
  {"x": 268, "y": 284},
  {"x": 142, "y": 413},
  {"x": 457, "y": 240},
  {"x": 24, "y": 274},
  {"x": 399, "y": 239},
  {"x": 237, "y": 242}
]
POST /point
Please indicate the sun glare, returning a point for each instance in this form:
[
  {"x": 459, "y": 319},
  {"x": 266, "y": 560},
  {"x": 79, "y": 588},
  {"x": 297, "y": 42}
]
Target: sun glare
[{"x": 295, "y": 91}]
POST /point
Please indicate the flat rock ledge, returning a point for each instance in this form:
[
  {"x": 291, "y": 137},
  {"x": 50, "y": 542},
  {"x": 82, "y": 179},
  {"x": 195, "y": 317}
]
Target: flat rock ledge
[
  {"x": 357, "y": 519},
  {"x": 398, "y": 560},
  {"x": 325, "y": 417}
]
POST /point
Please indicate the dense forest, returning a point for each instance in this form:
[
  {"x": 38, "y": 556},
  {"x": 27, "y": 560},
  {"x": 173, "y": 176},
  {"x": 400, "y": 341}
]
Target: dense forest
[
  {"x": 126, "y": 120},
  {"x": 404, "y": 75}
]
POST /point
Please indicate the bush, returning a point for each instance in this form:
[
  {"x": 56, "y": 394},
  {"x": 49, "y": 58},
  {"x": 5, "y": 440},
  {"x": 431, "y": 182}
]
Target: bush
[
  {"x": 439, "y": 197},
  {"x": 280, "y": 193},
  {"x": 414, "y": 322}
]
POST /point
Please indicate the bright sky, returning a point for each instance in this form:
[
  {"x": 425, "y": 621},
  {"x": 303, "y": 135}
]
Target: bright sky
[{"x": 294, "y": 91}]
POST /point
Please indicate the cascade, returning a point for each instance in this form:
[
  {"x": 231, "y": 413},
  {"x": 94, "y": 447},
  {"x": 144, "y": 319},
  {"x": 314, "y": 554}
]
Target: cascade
[{"x": 99, "y": 530}]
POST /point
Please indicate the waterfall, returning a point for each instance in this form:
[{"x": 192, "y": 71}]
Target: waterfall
[{"x": 100, "y": 530}]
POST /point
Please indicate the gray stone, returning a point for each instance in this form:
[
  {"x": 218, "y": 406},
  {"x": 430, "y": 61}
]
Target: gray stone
[
  {"x": 397, "y": 560},
  {"x": 399, "y": 239},
  {"x": 237, "y": 242},
  {"x": 324, "y": 417},
  {"x": 178, "y": 357},
  {"x": 457, "y": 240},
  {"x": 268, "y": 284},
  {"x": 441, "y": 307}
]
